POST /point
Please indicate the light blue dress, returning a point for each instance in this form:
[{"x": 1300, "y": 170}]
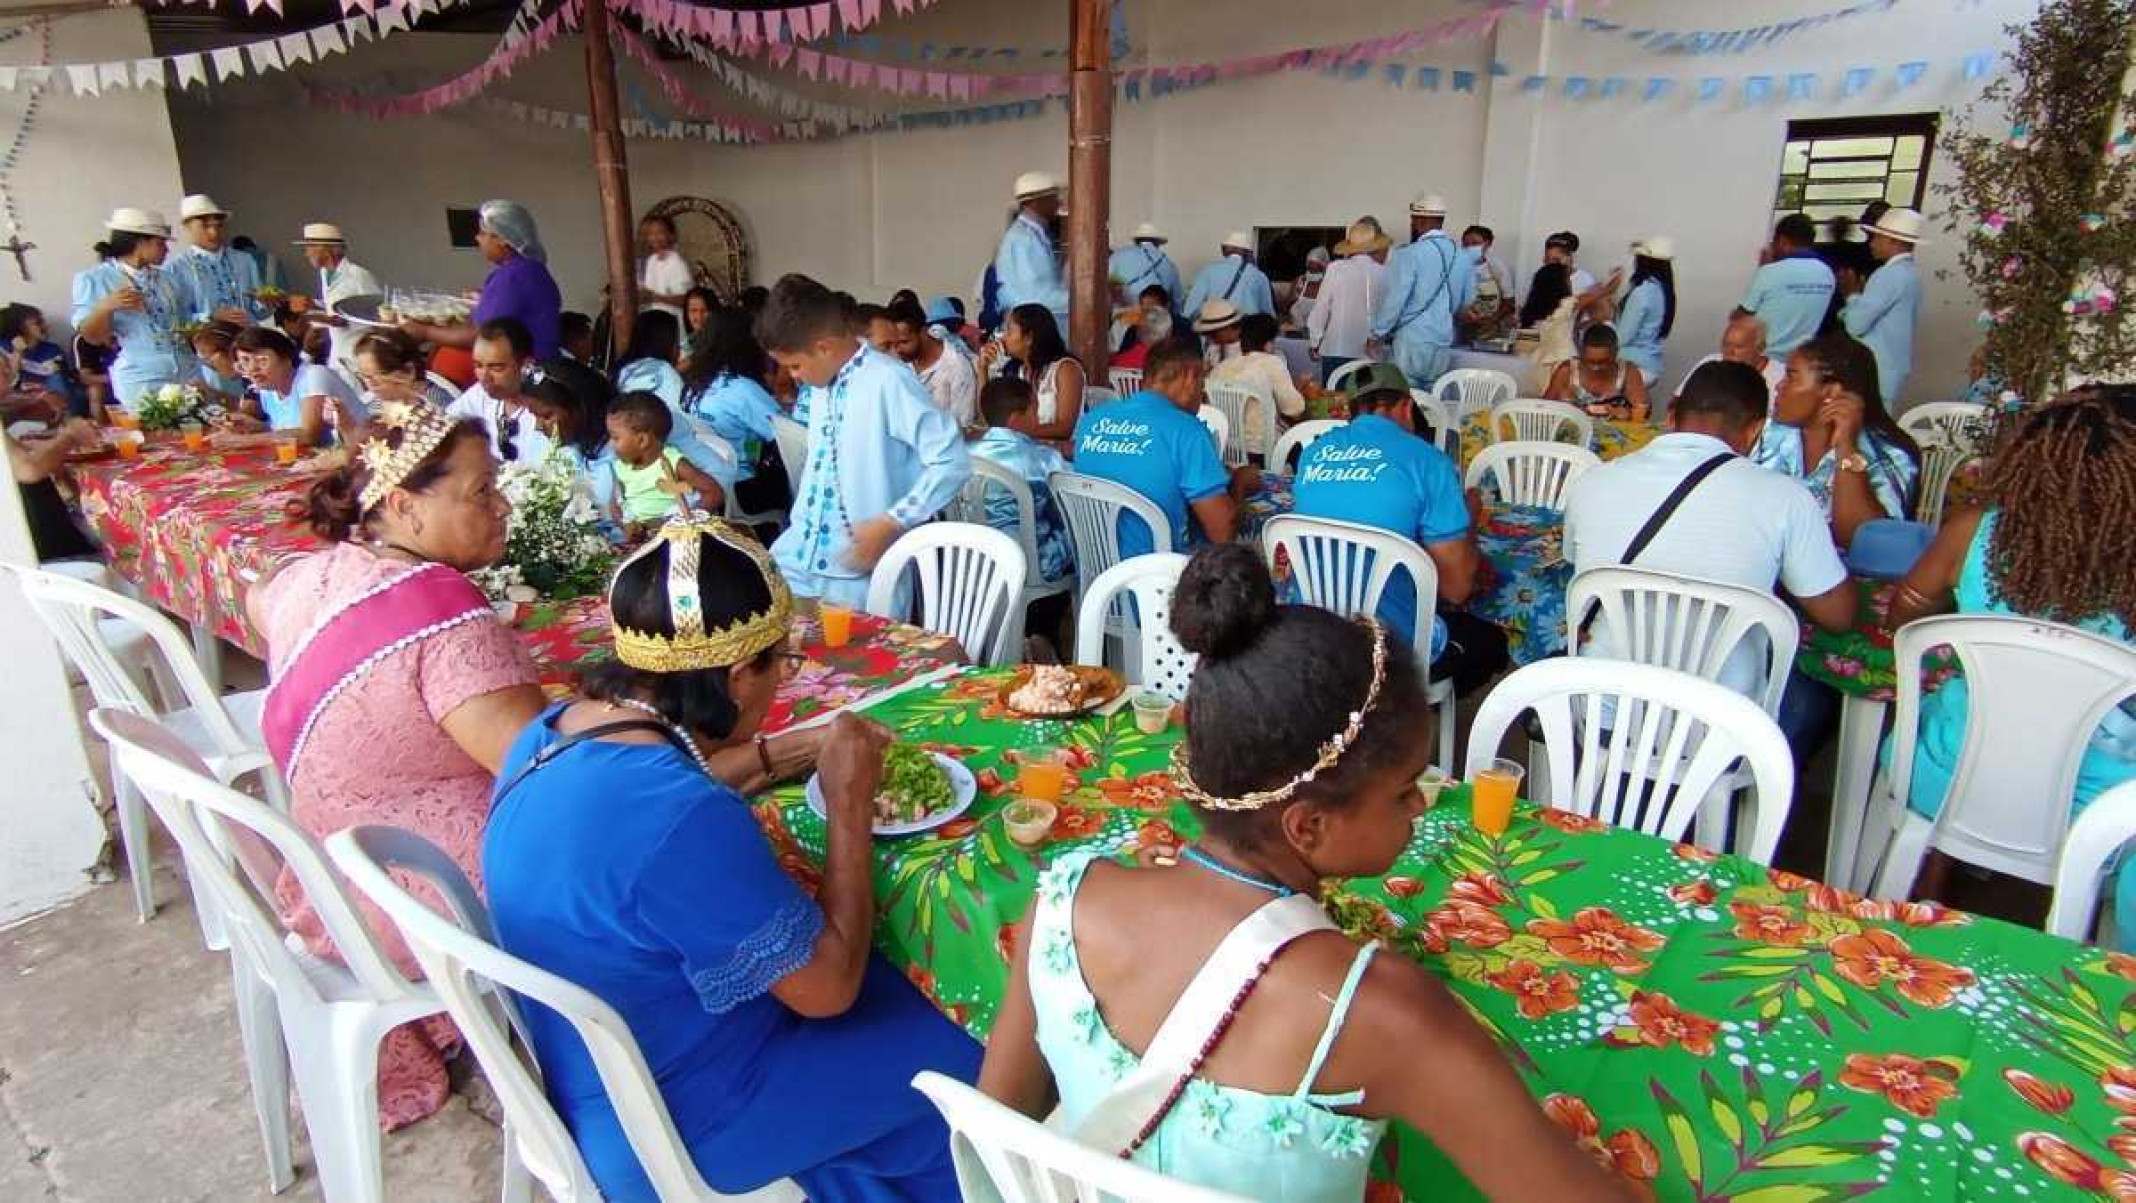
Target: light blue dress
[
  {"x": 224, "y": 279},
  {"x": 1139, "y": 265},
  {"x": 1427, "y": 283},
  {"x": 1029, "y": 272},
  {"x": 1232, "y": 279},
  {"x": 1791, "y": 296},
  {"x": 1035, "y": 462},
  {"x": 739, "y": 411},
  {"x": 152, "y": 353},
  {"x": 1295, "y": 1147},
  {"x": 1639, "y": 327},
  {"x": 1882, "y": 317},
  {"x": 877, "y": 447}
]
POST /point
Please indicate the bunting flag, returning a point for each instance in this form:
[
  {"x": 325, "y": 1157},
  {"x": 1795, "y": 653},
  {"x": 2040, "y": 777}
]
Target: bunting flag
[
  {"x": 1724, "y": 41},
  {"x": 502, "y": 61}
]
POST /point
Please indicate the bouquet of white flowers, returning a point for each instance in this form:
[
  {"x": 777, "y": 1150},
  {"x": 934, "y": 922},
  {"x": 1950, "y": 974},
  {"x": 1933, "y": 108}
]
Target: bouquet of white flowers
[
  {"x": 176, "y": 405},
  {"x": 553, "y": 543}
]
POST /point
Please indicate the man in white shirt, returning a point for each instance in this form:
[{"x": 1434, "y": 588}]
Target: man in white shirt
[
  {"x": 1740, "y": 524},
  {"x": 1743, "y": 341},
  {"x": 664, "y": 278},
  {"x": 340, "y": 278},
  {"x": 1341, "y": 321},
  {"x": 949, "y": 376},
  {"x": 503, "y": 354}
]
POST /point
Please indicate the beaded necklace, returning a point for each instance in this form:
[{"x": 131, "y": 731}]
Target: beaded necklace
[
  {"x": 154, "y": 285},
  {"x": 823, "y": 464},
  {"x": 703, "y": 765},
  {"x": 1221, "y": 869}
]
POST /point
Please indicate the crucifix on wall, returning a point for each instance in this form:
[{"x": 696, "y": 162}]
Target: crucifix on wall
[{"x": 20, "y": 250}]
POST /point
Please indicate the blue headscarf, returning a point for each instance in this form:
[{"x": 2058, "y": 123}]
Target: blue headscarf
[{"x": 510, "y": 221}]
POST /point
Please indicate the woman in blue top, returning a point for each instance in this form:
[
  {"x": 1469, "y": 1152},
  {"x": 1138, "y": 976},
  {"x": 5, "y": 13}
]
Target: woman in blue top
[
  {"x": 1830, "y": 430},
  {"x": 619, "y": 857},
  {"x": 649, "y": 364},
  {"x": 293, "y": 394},
  {"x": 723, "y": 384},
  {"x": 1649, "y": 310},
  {"x": 2057, "y": 541},
  {"x": 132, "y": 299},
  {"x": 1302, "y": 753}
]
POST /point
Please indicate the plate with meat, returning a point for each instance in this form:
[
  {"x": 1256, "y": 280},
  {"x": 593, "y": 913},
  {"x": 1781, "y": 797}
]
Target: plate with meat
[
  {"x": 921, "y": 791},
  {"x": 1060, "y": 690}
]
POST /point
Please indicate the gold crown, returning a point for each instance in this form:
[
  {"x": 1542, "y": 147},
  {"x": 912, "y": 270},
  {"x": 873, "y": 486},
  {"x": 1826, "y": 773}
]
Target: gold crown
[
  {"x": 420, "y": 427},
  {"x": 692, "y": 647}
]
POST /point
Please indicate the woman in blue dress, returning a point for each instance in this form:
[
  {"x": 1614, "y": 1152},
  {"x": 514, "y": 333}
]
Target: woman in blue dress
[
  {"x": 617, "y": 857},
  {"x": 723, "y": 384},
  {"x": 132, "y": 299},
  {"x": 1649, "y": 311}
]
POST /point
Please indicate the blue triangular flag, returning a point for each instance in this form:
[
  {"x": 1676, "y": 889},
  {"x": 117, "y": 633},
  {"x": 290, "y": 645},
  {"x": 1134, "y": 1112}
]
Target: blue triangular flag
[
  {"x": 1710, "y": 87},
  {"x": 1498, "y": 68},
  {"x": 1428, "y": 78},
  {"x": 1656, "y": 88},
  {"x": 1612, "y": 86},
  {"x": 1857, "y": 78},
  {"x": 1356, "y": 71},
  {"x": 1464, "y": 81},
  {"x": 1909, "y": 74},
  {"x": 1802, "y": 85},
  {"x": 1575, "y": 87},
  {"x": 1979, "y": 63},
  {"x": 1397, "y": 73},
  {"x": 1534, "y": 83},
  {"x": 1757, "y": 88}
]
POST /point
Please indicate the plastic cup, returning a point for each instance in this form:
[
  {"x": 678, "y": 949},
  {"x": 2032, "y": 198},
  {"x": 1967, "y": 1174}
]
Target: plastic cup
[
  {"x": 128, "y": 444},
  {"x": 196, "y": 438},
  {"x": 837, "y": 624},
  {"x": 1491, "y": 794},
  {"x": 1029, "y": 821},
  {"x": 1431, "y": 783},
  {"x": 1153, "y": 712},
  {"x": 124, "y": 420},
  {"x": 285, "y": 452},
  {"x": 1042, "y": 777}
]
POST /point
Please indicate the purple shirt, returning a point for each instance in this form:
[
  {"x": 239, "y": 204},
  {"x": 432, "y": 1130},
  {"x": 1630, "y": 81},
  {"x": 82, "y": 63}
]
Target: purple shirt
[{"x": 522, "y": 288}]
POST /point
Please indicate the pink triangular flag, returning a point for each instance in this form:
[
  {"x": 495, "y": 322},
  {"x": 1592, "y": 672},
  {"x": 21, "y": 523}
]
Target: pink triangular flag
[
  {"x": 904, "y": 6},
  {"x": 871, "y": 11},
  {"x": 774, "y": 25},
  {"x": 849, "y": 12},
  {"x": 863, "y": 74},
  {"x": 819, "y": 21},
  {"x": 723, "y": 27},
  {"x": 909, "y": 81},
  {"x": 960, "y": 87},
  {"x": 807, "y": 61},
  {"x": 834, "y": 68},
  {"x": 780, "y": 53},
  {"x": 937, "y": 85},
  {"x": 746, "y": 28}
]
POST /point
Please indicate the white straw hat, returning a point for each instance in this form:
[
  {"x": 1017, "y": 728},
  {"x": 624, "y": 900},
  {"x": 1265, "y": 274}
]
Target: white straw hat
[
  {"x": 1036, "y": 183},
  {"x": 1217, "y": 315},
  {"x": 321, "y": 233},
  {"x": 138, "y": 221},
  {"x": 1660, "y": 246},
  {"x": 1240, "y": 239},
  {"x": 1431, "y": 204},
  {"x": 200, "y": 204},
  {"x": 1148, "y": 232},
  {"x": 1902, "y": 224}
]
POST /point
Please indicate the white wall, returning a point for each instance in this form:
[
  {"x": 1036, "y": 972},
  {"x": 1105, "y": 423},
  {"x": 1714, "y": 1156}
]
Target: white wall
[{"x": 923, "y": 209}]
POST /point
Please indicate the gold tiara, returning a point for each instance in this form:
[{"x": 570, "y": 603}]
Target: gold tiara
[
  {"x": 692, "y": 647},
  {"x": 1330, "y": 752},
  {"x": 421, "y": 428}
]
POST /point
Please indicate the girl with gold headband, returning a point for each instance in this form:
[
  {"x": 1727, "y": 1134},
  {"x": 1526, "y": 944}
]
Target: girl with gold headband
[
  {"x": 1256, "y": 1049},
  {"x": 617, "y": 858}
]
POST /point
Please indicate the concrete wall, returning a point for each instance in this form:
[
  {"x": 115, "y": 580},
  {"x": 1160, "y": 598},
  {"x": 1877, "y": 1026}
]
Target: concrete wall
[{"x": 923, "y": 209}]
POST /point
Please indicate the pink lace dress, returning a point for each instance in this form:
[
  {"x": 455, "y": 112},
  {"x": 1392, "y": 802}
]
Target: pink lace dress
[{"x": 378, "y": 754}]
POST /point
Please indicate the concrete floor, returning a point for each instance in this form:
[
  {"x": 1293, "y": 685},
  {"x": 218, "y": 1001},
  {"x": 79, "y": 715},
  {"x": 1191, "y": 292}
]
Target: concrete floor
[{"x": 121, "y": 1080}]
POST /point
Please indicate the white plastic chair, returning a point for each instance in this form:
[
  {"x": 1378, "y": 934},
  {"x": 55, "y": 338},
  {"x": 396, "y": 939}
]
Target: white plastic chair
[
  {"x": 970, "y": 506},
  {"x": 1671, "y": 740},
  {"x": 472, "y": 976},
  {"x": 1687, "y": 624},
  {"x": 1092, "y": 508},
  {"x": 1466, "y": 391},
  {"x": 1445, "y": 429},
  {"x": 297, "y": 1014},
  {"x": 1346, "y": 567},
  {"x": 1947, "y": 432},
  {"x": 1219, "y": 429},
  {"x": 1125, "y": 381},
  {"x": 2105, "y": 828},
  {"x": 1155, "y": 661},
  {"x": 792, "y": 437},
  {"x": 441, "y": 383},
  {"x": 970, "y": 578},
  {"x": 1001, "y": 1154},
  {"x": 1233, "y": 401},
  {"x": 1341, "y": 376},
  {"x": 2035, "y": 692},
  {"x": 1949, "y": 421},
  {"x": 1095, "y": 397},
  {"x": 1296, "y": 440},
  {"x": 1531, "y": 473},
  {"x": 224, "y": 731},
  {"x": 1532, "y": 419}
]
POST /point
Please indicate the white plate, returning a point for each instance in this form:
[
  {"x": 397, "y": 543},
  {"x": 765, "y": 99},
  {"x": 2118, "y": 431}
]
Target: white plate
[{"x": 961, "y": 785}]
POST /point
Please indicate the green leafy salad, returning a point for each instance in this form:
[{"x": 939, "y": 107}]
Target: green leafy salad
[{"x": 914, "y": 786}]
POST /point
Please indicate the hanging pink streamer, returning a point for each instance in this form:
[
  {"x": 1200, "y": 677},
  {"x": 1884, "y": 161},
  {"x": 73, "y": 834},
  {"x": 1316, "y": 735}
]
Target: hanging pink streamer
[{"x": 461, "y": 88}]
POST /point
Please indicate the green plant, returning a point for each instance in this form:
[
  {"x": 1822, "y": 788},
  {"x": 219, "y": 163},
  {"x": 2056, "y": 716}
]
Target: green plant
[{"x": 172, "y": 406}]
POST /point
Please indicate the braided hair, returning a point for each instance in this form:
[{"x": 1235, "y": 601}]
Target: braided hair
[{"x": 2063, "y": 479}]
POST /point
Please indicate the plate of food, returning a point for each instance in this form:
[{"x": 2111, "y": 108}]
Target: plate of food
[
  {"x": 1060, "y": 690},
  {"x": 921, "y": 791}
]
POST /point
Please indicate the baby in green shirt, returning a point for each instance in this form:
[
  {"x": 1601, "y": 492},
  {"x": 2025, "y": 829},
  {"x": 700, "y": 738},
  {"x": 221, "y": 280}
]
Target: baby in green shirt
[{"x": 650, "y": 475}]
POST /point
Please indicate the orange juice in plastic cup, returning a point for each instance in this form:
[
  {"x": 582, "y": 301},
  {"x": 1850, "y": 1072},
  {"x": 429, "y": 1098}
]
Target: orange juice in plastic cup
[
  {"x": 128, "y": 444},
  {"x": 837, "y": 624},
  {"x": 1042, "y": 777},
  {"x": 124, "y": 420},
  {"x": 196, "y": 438},
  {"x": 285, "y": 451},
  {"x": 1491, "y": 794}
]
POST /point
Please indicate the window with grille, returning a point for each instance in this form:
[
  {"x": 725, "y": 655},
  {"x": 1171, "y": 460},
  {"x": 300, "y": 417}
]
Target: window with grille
[{"x": 1833, "y": 168}]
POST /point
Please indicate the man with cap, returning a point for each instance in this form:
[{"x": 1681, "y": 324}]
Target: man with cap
[
  {"x": 1374, "y": 470},
  {"x": 225, "y": 281},
  {"x": 1883, "y": 313},
  {"x": 1143, "y": 262},
  {"x": 1234, "y": 278},
  {"x": 1028, "y": 271},
  {"x": 134, "y": 300},
  {"x": 1341, "y": 321},
  {"x": 339, "y": 279},
  {"x": 1792, "y": 290},
  {"x": 1428, "y": 282}
]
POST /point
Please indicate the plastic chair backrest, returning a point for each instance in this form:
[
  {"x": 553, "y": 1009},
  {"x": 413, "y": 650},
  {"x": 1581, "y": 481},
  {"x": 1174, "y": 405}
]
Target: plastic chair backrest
[
  {"x": 71, "y": 609},
  {"x": 1233, "y": 400},
  {"x": 970, "y": 506},
  {"x": 792, "y": 438},
  {"x": 1125, "y": 381},
  {"x": 1948, "y": 433},
  {"x": 1092, "y": 508},
  {"x": 438, "y": 380},
  {"x": 218, "y": 830},
  {"x": 464, "y": 969},
  {"x": 1296, "y": 440},
  {"x": 1000, "y": 1154},
  {"x": 1346, "y": 567},
  {"x": 1341, "y": 376},
  {"x": 2105, "y": 827},
  {"x": 2035, "y": 693},
  {"x": 1445, "y": 429},
  {"x": 1219, "y": 429},
  {"x": 1165, "y": 666},
  {"x": 1671, "y": 740},
  {"x": 1687, "y": 624},
  {"x": 1537, "y": 420},
  {"x": 1531, "y": 473},
  {"x": 1095, "y": 397},
  {"x": 1473, "y": 390},
  {"x": 970, "y": 579}
]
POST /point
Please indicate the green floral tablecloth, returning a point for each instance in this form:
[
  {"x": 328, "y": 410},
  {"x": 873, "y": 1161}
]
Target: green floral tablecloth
[
  {"x": 1613, "y": 437},
  {"x": 1709, "y": 1028},
  {"x": 1860, "y": 661}
]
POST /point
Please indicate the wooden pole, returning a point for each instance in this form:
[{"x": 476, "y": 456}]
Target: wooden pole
[
  {"x": 1090, "y": 90},
  {"x": 611, "y": 171}
]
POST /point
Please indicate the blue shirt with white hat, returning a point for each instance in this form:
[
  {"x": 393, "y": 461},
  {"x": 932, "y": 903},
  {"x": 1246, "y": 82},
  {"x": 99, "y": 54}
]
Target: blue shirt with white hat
[
  {"x": 1233, "y": 278},
  {"x": 1142, "y": 263}
]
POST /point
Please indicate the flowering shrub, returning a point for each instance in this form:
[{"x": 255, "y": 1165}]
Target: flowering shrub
[
  {"x": 175, "y": 405},
  {"x": 553, "y": 542}
]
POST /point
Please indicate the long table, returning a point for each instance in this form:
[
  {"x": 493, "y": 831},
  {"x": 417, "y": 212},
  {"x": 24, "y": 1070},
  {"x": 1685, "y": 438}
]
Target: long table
[{"x": 1709, "y": 1027}]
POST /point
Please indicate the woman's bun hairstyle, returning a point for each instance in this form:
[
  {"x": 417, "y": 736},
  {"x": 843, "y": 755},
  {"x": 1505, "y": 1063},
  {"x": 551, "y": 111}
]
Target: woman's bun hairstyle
[{"x": 1224, "y": 601}]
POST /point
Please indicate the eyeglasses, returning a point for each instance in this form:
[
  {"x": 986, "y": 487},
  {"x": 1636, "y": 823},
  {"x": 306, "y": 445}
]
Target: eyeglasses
[{"x": 789, "y": 664}]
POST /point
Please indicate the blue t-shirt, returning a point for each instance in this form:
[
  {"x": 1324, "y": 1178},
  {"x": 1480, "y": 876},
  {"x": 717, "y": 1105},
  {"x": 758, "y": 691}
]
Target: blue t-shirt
[
  {"x": 1158, "y": 450},
  {"x": 285, "y": 411},
  {"x": 739, "y": 411},
  {"x": 1372, "y": 472},
  {"x": 1791, "y": 296}
]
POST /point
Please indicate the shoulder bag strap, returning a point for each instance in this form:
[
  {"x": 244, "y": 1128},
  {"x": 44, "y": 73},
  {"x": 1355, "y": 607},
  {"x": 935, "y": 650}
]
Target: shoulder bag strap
[
  {"x": 1446, "y": 279},
  {"x": 1660, "y": 518},
  {"x": 1235, "y": 277},
  {"x": 543, "y": 758}
]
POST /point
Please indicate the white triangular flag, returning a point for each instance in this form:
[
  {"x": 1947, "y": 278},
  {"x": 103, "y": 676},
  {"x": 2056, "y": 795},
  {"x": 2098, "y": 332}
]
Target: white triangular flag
[
  {"x": 148, "y": 72},
  {"x": 83, "y": 77},
  {"x": 295, "y": 48},
  {"x": 357, "y": 29},
  {"x": 391, "y": 18},
  {"x": 229, "y": 62},
  {"x": 191, "y": 70},
  {"x": 114, "y": 75},
  {"x": 581, "y": 122},
  {"x": 264, "y": 56},
  {"x": 518, "y": 111},
  {"x": 325, "y": 40},
  {"x": 7, "y": 79},
  {"x": 33, "y": 78}
]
